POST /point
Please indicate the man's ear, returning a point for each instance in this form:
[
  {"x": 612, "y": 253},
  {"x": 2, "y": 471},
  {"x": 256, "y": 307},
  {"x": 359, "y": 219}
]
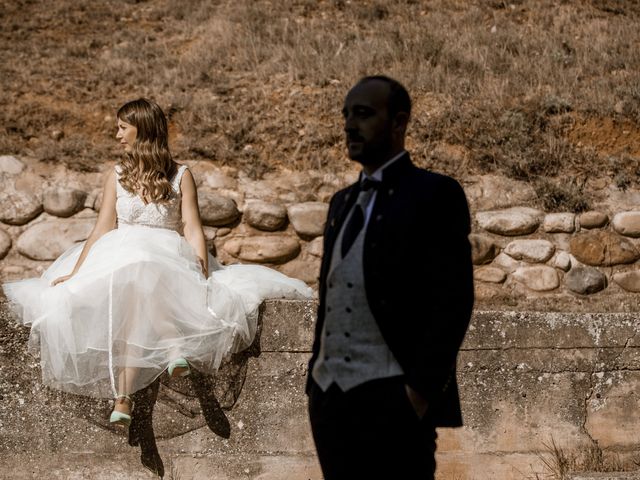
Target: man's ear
[{"x": 400, "y": 122}]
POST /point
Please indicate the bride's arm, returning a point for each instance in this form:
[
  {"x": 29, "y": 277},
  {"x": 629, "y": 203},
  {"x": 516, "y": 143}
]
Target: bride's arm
[
  {"x": 105, "y": 223},
  {"x": 193, "y": 232}
]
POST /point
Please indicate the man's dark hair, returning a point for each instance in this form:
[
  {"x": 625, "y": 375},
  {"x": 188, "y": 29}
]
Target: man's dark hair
[{"x": 399, "y": 99}]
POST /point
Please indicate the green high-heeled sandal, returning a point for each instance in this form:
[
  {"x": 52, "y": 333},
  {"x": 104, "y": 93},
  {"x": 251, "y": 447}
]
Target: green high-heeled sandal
[
  {"x": 179, "y": 363},
  {"x": 121, "y": 418}
]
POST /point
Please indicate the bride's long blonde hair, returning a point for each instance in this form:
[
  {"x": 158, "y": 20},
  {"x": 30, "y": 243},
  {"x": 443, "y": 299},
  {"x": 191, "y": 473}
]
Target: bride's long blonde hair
[{"x": 148, "y": 168}]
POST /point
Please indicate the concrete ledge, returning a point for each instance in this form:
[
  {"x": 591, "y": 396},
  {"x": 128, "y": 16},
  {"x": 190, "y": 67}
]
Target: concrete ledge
[
  {"x": 527, "y": 379},
  {"x": 124, "y": 466},
  {"x": 606, "y": 476}
]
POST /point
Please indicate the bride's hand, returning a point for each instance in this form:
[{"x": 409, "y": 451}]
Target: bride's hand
[{"x": 58, "y": 280}]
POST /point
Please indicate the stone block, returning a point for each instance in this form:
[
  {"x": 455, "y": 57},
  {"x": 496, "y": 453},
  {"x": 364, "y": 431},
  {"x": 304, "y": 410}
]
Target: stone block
[
  {"x": 216, "y": 210},
  {"x": 630, "y": 281},
  {"x": 605, "y": 476},
  {"x": 507, "y": 263},
  {"x": 530, "y": 250},
  {"x": 316, "y": 247},
  {"x": 483, "y": 248},
  {"x": 18, "y": 207},
  {"x": 601, "y": 248},
  {"x": 525, "y": 377},
  {"x": 10, "y": 165},
  {"x": 540, "y": 278},
  {"x": 559, "y": 223},
  {"x": 593, "y": 219},
  {"x": 511, "y": 221},
  {"x": 304, "y": 267},
  {"x": 49, "y": 239},
  {"x": 236, "y": 467},
  {"x": 562, "y": 260},
  {"x": 308, "y": 218},
  {"x": 613, "y": 397},
  {"x": 525, "y": 331},
  {"x": 627, "y": 224},
  {"x": 287, "y": 326},
  {"x": 62, "y": 201},
  {"x": 5, "y": 243},
  {"x": 585, "y": 280},
  {"x": 489, "y": 275},
  {"x": 263, "y": 248},
  {"x": 265, "y": 216}
]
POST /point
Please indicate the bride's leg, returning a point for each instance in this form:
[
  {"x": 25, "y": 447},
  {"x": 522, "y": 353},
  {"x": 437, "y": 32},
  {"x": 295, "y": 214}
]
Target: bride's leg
[
  {"x": 177, "y": 365},
  {"x": 126, "y": 380},
  {"x": 125, "y": 355}
]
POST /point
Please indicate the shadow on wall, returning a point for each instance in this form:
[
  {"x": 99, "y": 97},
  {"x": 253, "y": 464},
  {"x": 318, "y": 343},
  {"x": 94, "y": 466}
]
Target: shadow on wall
[{"x": 186, "y": 404}]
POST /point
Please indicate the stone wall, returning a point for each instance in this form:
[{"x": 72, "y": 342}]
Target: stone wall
[
  {"x": 583, "y": 253},
  {"x": 527, "y": 381},
  {"x": 277, "y": 220},
  {"x": 519, "y": 252}
]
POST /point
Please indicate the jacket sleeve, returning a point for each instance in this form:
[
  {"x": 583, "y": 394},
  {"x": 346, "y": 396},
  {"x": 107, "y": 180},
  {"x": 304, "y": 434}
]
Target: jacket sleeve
[{"x": 442, "y": 319}]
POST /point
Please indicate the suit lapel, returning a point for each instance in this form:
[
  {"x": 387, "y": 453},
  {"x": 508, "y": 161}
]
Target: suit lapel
[
  {"x": 341, "y": 212},
  {"x": 390, "y": 181},
  {"x": 391, "y": 176}
]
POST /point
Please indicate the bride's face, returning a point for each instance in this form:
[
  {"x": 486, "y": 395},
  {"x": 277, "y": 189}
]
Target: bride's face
[{"x": 126, "y": 134}]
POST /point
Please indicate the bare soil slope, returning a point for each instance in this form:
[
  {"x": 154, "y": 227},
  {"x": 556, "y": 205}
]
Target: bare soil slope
[{"x": 545, "y": 91}]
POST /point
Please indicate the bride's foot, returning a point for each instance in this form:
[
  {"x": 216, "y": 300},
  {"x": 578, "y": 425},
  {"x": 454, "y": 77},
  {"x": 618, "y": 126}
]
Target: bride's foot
[
  {"x": 121, "y": 414},
  {"x": 178, "y": 368}
]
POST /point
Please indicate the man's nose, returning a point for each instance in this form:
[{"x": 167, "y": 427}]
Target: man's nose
[{"x": 348, "y": 123}]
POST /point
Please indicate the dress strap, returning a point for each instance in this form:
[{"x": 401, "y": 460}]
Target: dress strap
[
  {"x": 178, "y": 177},
  {"x": 118, "y": 170}
]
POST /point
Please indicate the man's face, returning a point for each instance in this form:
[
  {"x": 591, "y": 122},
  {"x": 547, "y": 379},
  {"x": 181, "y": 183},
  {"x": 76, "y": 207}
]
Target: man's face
[{"x": 367, "y": 125}]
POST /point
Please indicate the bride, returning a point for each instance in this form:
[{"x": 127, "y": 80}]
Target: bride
[{"x": 142, "y": 295}]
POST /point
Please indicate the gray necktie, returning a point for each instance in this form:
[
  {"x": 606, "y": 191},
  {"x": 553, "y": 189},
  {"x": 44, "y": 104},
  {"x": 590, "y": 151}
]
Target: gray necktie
[{"x": 356, "y": 220}]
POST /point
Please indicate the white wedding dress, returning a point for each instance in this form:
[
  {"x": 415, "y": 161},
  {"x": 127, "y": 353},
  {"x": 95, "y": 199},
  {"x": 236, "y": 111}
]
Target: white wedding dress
[{"x": 139, "y": 301}]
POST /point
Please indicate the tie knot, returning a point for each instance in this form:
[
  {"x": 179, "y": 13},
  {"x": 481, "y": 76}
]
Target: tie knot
[{"x": 368, "y": 184}]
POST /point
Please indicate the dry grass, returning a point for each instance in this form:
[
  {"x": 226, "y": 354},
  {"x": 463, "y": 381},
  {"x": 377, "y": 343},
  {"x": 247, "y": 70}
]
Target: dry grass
[
  {"x": 258, "y": 84},
  {"x": 559, "y": 463}
]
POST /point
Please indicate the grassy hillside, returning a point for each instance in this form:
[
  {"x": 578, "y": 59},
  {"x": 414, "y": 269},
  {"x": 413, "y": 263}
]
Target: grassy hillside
[{"x": 540, "y": 90}]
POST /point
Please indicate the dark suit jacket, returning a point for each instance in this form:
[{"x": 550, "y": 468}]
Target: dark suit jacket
[{"x": 418, "y": 277}]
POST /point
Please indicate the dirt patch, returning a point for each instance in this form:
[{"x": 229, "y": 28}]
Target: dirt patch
[{"x": 606, "y": 135}]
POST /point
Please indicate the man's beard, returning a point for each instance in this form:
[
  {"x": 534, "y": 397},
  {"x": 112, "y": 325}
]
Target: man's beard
[{"x": 370, "y": 154}]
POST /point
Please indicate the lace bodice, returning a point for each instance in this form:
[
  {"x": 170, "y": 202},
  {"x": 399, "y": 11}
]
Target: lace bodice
[{"x": 132, "y": 210}]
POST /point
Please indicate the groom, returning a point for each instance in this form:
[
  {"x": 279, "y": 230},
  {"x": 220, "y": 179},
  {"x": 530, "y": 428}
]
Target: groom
[{"x": 396, "y": 293}]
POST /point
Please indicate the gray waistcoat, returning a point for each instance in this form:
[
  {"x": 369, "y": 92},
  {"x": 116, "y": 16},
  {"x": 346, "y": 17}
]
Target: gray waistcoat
[{"x": 352, "y": 349}]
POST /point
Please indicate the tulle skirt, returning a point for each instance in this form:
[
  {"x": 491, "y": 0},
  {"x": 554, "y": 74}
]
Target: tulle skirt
[{"x": 138, "y": 302}]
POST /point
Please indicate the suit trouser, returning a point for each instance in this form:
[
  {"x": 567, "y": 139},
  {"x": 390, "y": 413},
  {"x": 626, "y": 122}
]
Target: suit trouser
[{"x": 371, "y": 431}]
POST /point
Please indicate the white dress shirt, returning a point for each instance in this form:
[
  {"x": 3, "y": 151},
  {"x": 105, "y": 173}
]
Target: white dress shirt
[{"x": 377, "y": 175}]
